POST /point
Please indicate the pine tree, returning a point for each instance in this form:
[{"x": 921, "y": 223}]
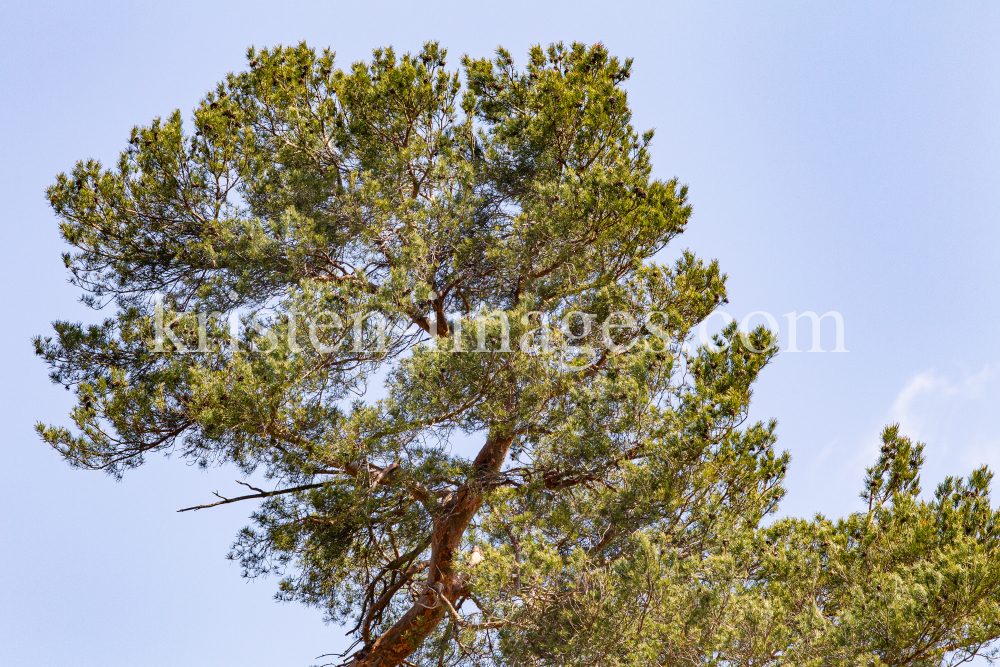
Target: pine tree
[{"x": 340, "y": 280}]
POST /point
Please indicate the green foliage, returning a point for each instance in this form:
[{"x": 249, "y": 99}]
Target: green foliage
[{"x": 492, "y": 227}]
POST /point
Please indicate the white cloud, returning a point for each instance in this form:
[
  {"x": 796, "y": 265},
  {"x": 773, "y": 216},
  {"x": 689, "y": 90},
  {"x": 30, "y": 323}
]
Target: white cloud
[{"x": 955, "y": 417}]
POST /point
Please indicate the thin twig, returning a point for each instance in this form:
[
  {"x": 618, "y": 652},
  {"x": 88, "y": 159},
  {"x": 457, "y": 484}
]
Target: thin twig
[{"x": 262, "y": 494}]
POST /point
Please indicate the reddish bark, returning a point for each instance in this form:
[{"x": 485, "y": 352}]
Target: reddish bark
[{"x": 456, "y": 512}]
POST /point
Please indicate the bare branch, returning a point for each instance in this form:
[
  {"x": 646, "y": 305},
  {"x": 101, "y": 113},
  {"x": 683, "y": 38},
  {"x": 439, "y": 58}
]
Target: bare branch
[{"x": 262, "y": 494}]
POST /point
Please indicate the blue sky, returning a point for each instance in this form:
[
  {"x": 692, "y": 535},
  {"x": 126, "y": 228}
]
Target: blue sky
[{"x": 841, "y": 157}]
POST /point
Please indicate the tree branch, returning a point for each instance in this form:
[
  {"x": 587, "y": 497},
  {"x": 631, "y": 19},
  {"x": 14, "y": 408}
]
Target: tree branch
[{"x": 262, "y": 494}]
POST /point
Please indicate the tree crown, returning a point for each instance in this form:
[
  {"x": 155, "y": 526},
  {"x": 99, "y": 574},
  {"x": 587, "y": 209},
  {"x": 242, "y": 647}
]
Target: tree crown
[{"x": 342, "y": 278}]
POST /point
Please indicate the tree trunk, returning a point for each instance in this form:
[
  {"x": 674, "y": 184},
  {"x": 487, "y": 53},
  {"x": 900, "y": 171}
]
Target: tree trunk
[{"x": 456, "y": 512}]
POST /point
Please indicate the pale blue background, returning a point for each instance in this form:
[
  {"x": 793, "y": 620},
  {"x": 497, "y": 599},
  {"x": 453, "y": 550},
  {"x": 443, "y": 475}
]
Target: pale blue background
[{"x": 840, "y": 156}]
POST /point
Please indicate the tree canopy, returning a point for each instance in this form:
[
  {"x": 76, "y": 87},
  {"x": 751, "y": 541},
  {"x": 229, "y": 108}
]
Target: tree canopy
[{"x": 422, "y": 304}]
